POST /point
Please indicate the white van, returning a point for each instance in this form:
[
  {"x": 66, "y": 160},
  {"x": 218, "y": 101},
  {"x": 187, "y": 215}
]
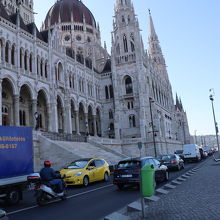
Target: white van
[{"x": 191, "y": 152}]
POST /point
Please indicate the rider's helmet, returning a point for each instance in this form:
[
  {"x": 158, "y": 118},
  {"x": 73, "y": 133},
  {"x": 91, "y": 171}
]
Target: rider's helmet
[{"x": 47, "y": 163}]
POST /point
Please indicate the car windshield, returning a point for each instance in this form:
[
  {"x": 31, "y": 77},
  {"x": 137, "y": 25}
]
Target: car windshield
[
  {"x": 129, "y": 164},
  {"x": 168, "y": 157},
  {"x": 77, "y": 164},
  {"x": 179, "y": 151}
]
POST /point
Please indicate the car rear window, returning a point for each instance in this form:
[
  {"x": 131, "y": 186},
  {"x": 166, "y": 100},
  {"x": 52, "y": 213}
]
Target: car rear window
[{"x": 129, "y": 164}]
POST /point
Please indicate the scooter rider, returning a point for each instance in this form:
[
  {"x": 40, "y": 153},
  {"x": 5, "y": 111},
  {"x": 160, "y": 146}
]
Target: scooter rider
[{"x": 49, "y": 175}]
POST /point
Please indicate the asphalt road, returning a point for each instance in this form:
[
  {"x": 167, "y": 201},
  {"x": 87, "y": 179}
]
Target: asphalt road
[{"x": 83, "y": 203}]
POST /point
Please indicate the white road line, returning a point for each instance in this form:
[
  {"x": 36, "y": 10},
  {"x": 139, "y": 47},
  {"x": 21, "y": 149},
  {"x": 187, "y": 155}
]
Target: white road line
[
  {"x": 93, "y": 190},
  {"x": 68, "y": 197}
]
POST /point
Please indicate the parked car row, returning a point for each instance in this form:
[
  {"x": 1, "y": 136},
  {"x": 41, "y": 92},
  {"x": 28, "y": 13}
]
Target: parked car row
[{"x": 193, "y": 152}]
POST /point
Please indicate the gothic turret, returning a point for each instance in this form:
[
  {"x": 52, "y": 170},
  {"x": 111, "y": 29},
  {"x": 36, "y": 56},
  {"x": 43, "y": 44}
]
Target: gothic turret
[{"x": 155, "y": 51}]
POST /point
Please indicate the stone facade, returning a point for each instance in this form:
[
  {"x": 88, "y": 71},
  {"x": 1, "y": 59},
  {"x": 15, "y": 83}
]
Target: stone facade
[{"x": 61, "y": 79}]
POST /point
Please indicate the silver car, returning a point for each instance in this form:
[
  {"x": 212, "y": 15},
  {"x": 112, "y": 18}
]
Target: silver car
[{"x": 3, "y": 215}]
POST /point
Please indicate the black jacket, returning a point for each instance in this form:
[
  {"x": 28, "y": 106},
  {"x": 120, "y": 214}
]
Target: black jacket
[{"x": 47, "y": 174}]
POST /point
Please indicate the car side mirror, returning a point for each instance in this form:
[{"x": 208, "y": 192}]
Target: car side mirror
[{"x": 90, "y": 167}]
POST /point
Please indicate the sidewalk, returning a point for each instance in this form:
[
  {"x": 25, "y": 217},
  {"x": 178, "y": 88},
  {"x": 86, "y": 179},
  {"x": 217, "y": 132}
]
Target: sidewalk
[{"x": 197, "y": 198}]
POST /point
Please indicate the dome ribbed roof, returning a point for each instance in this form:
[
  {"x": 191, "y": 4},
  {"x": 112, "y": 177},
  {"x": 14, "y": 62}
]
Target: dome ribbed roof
[{"x": 64, "y": 9}]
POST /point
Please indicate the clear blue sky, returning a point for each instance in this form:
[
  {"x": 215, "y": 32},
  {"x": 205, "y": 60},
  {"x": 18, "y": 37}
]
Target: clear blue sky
[{"x": 189, "y": 34}]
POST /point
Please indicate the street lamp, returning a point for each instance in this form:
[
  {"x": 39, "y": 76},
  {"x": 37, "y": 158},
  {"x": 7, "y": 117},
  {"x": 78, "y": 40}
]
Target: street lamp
[
  {"x": 152, "y": 123},
  {"x": 215, "y": 123}
]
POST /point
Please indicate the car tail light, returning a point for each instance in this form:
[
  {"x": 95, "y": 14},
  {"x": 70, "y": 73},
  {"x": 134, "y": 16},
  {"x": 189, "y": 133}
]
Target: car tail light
[
  {"x": 136, "y": 170},
  {"x": 37, "y": 186},
  {"x": 173, "y": 161},
  {"x": 116, "y": 171}
]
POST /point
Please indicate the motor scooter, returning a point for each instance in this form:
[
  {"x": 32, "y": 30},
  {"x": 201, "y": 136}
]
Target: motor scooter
[{"x": 44, "y": 192}]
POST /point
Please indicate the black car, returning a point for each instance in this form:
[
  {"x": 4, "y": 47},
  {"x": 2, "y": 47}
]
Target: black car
[
  {"x": 128, "y": 171},
  {"x": 172, "y": 161},
  {"x": 179, "y": 153}
]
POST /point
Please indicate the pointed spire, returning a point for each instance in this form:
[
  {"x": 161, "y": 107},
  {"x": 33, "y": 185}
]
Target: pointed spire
[
  {"x": 153, "y": 35},
  {"x": 105, "y": 45}
]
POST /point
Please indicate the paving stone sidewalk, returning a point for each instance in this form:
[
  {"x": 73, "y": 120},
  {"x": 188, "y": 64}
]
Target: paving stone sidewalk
[{"x": 197, "y": 198}]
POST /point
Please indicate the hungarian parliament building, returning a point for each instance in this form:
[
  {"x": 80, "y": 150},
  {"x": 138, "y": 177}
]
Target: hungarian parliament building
[{"x": 61, "y": 79}]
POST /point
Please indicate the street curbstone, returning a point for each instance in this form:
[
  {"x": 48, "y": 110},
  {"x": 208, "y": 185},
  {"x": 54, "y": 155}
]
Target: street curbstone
[
  {"x": 169, "y": 186},
  {"x": 134, "y": 206},
  {"x": 116, "y": 216},
  {"x": 152, "y": 198},
  {"x": 162, "y": 191}
]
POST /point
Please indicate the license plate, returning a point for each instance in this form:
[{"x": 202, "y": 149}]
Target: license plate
[
  {"x": 126, "y": 175},
  {"x": 31, "y": 186}
]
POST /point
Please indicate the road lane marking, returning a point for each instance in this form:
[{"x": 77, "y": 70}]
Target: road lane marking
[
  {"x": 93, "y": 190},
  {"x": 68, "y": 197}
]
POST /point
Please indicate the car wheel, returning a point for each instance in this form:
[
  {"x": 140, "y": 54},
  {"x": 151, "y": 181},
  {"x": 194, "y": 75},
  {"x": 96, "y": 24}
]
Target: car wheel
[
  {"x": 13, "y": 197},
  {"x": 85, "y": 181},
  {"x": 120, "y": 186},
  {"x": 106, "y": 177},
  {"x": 166, "y": 177},
  {"x": 178, "y": 167},
  {"x": 183, "y": 166}
]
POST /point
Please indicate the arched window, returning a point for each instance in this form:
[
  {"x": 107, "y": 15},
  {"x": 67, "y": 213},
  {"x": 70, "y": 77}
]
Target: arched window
[
  {"x": 30, "y": 63},
  {"x": 125, "y": 43},
  {"x": 128, "y": 85},
  {"x": 45, "y": 69},
  {"x": 106, "y": 92},
  {"x": 132, "y": 121},
  {"x": 110, "y": 114},
  {"x": 60, "y": 71},
  {"x": 21, "y": 55},
  {"x": 7, "y": 52},
  {"x": 41, "y": 67},
  {"x": 132, "y": 43},
  {"x": 123, "y": 19},
  {"x": 118, "y": 49},
  {"x": 70, "y": 81},
  {"x": 111, "y": 92},
  {"x": 25, "y": 60},
  {"x": 13, "y": 55}
]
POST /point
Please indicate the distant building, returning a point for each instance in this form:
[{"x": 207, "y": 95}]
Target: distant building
[{"x": 67, "y": 77}]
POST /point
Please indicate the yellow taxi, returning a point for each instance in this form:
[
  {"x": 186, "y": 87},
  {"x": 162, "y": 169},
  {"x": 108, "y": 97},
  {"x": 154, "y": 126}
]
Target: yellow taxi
[{"x": 85, "y": 171}]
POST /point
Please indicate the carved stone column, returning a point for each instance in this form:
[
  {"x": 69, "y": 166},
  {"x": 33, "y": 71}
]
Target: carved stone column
[
  {"x": 77, "y": 121},
  {"x": 16, "y": 110},
  {"x": 68, "y": 119},
  {"x": 94, "y": 124},
  {"x": 34, "y": 110}
]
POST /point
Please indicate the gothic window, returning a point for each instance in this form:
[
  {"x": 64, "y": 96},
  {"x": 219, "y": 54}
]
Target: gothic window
[
  {"x": 111, "y": 92},
  {"x": 25, "y": 60},
  {"x": 73, "y": 81},
  {"x": 21, "y": 53},
  {"x": 45, "y": 69},
  {"x": 22, "y": 118},
  {"x": 41, "y": 67},
  {"x": 118, "y": 49},
  {"x": 132, "y": 121},
  {"x": 123, "y": 19},
  {"x": 106, "y": 92},
  {"x": 129, "y": 19},
  {"x": 70, "y": 82},
  {"x": 7, "y": 52},
  {"x": 132, "y": 43},
  {"x": 13, "y": 55},
  {"x": 125, "y": 43},
  {"x": 30, "y": 62},
  {"x": 110, "y": 114},
  {"x": 128, "y": 85},
  {"x": 60, "y": 71}
]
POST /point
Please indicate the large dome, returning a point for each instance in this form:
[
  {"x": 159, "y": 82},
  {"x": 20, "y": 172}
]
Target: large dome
[{"x": 63, "y": 10}]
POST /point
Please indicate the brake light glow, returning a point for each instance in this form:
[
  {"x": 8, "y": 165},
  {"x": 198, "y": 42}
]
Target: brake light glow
[
  {"x": 136, "y": 170},
  {"x": 37, "y": 186},
  {"x": 174, "y": 161}
]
